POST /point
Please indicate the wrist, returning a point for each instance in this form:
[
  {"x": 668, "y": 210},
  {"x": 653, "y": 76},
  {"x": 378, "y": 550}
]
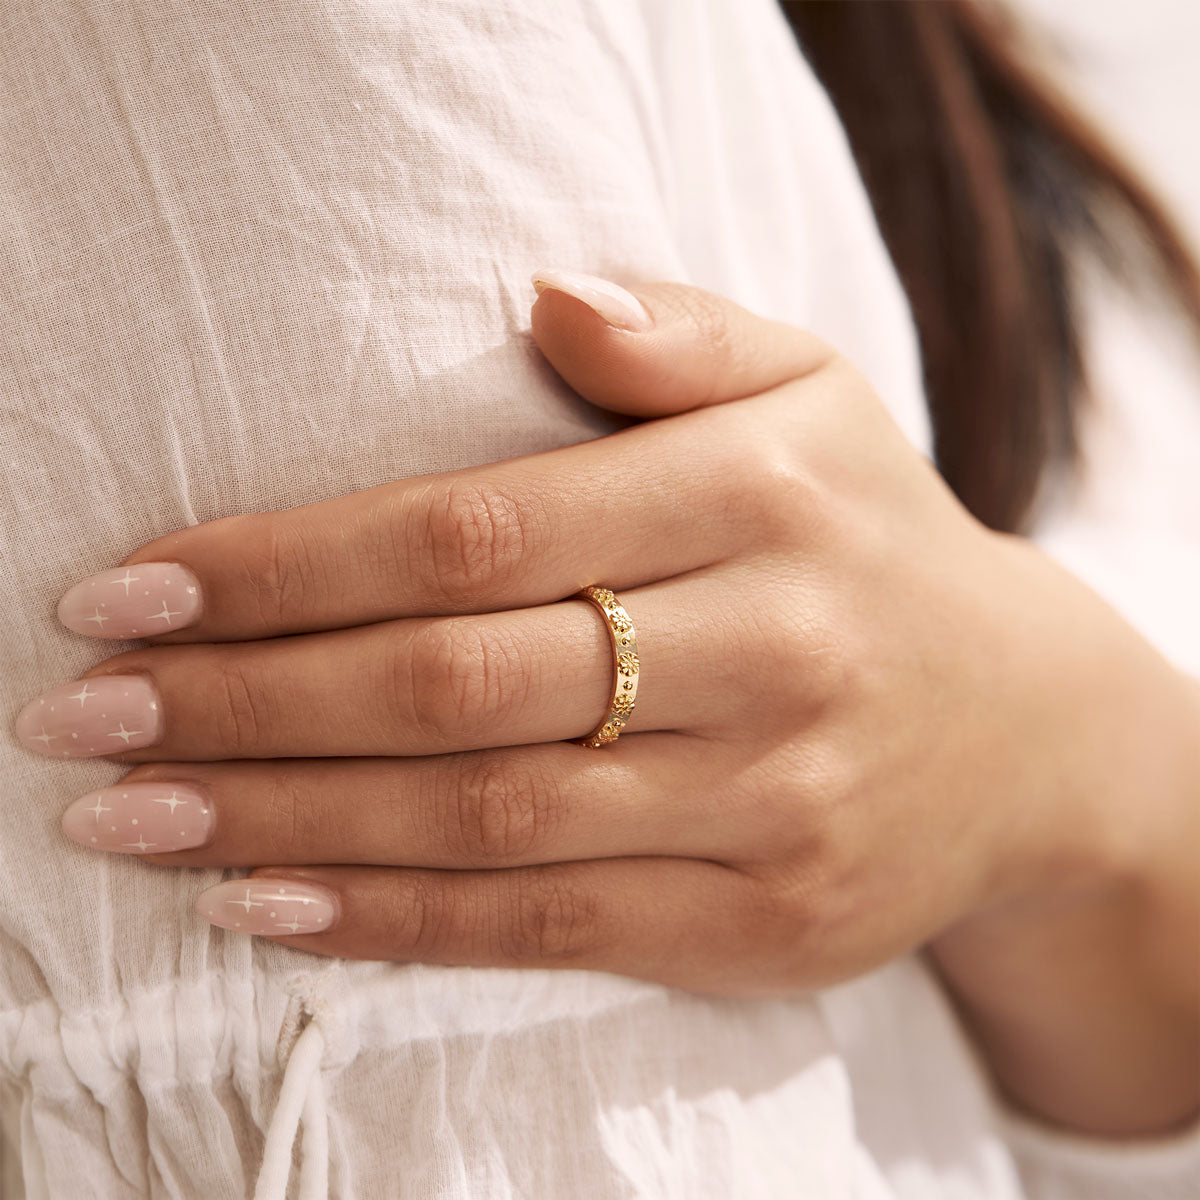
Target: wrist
[
  {"x": 1106, "y": 743},
  {"x": 1077, "y": 973}
]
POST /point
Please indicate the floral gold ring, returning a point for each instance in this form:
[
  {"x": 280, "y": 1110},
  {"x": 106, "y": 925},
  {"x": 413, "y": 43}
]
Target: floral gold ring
[{"x": 625, "y": 666}]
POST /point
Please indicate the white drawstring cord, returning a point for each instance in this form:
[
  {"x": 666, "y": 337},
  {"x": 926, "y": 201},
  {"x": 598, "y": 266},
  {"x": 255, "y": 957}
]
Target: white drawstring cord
[
  {"x": 301, "y": 1091},
  {"x": 314, "y": 1161}
]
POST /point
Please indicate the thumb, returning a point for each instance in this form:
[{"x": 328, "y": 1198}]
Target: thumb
[{"x": 662, "y": 348}]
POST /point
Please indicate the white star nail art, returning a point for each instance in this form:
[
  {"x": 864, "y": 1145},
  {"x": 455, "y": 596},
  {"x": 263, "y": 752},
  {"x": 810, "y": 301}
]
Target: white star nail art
[
  {"x": 98, "y": 808},
  {"x": 97, "y": 618},
  {"x": 126, "y": 580},
  {"x": 125, "y": 734},
  {"x": 83, "y": 695},
  {"x": 141, "y": 844},
  {"x": 246, "y": 902},
  {"x": 293, "y": 925},
  {"x": 165, "y": 615},
  {"x": 173, "y": 800},
  {"x": 43, "y": 737}
]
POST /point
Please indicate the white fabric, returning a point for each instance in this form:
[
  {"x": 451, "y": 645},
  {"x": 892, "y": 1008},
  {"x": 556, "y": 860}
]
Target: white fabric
[{"x": 255, "y": 255}]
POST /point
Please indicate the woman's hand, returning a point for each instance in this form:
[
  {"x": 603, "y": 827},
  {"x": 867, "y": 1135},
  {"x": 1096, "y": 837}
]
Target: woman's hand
[{"x": 864, "y": 720}]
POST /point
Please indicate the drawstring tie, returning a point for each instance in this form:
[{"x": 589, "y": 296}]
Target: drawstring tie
[
  {"x": 301, "y": 1099},
  {"x": 302, "y": 1095}
]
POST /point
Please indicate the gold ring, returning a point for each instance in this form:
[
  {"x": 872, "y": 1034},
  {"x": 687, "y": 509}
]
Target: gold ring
[{"x": 625, "y": 666}]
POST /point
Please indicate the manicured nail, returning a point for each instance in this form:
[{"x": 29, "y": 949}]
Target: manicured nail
[
  {"x": 617, "y": 306},
  {"x": 144, "y": 600},
  {"x": 280, "y": 907},
  {"x": 102, "y": 715},
  {"x": 137, "y": 818}
]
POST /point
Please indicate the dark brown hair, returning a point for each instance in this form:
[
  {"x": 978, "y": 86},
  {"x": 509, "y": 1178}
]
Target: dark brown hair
[{"x": 986, "y": 183}]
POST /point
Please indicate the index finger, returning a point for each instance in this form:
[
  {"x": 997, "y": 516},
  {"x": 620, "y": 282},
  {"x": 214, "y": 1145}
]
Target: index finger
[
  {"x": 647, "y": 503},
  {"x": 509, "y": 535}
]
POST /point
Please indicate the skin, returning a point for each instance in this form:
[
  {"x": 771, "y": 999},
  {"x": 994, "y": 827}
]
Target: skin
[{"x": 866, "y": 724}]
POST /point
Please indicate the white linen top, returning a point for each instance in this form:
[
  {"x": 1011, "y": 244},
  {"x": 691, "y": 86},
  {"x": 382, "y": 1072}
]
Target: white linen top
[{"x": 256, "y": 255}]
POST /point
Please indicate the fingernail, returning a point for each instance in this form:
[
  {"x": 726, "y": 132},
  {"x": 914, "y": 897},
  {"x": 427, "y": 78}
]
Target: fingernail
[
  {"x": 617, "y": 306},
  {"x": 280, "y": 907},
  {"x": 144, "y": 600},
  {"x": 137, "y": 818},
  {"x": 102, "y": 715}
]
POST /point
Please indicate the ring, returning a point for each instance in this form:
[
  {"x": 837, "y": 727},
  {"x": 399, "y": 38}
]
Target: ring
[{"x": 625, "y": 666}]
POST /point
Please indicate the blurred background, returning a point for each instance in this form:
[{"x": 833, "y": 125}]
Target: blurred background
[{"x": 1136, "y": 64}]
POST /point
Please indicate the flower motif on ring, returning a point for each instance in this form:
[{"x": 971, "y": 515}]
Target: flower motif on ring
[
  {"x": 604, "y": 596},
  {"x": 627, "y": 663},
  {"x": 619, "y": 619},
  {"x": 622, "y": 705}
]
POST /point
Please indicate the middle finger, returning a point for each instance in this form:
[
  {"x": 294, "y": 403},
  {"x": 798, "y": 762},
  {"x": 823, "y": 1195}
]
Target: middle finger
[{"x": 414, "y": 686}]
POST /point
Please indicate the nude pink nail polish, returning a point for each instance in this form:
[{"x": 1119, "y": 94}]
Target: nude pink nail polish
[
  {"x": 101, "y": 715},
  {"x": 607, "y": 300},
  {"x": 140, "y": 818},
  {"x": 280, "y": 907},
  {"x": 145, "y": 600}
]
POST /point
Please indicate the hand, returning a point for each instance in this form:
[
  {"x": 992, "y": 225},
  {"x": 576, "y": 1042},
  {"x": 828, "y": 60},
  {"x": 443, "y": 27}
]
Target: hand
[{"x": 862, "y": 717}]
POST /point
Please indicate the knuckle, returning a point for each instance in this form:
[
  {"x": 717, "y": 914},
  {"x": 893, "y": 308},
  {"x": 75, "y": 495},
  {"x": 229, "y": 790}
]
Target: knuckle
[
  {"x": 478, "y": 539},
  {"x": 501, "y": 812},
  {"x": 829, "y": 774},
  {"x": 822, "y": 848},
  {"x": 709, "y": 318},
  {"x": 791, "y": 660},
  {"x": 282, "y": 575},
  {"x": 788, "y": 912},
  {"x": 756, "y": 483},
  {"x": 240, "y": 715},
  {"x": 812, "y": 658},
  {"x": 414, "y": 921},
  {"x": 294, "y": 819},
  {"x": 762, "y": 908},
  {"x": 550, "y": 921},
  {"x": 463, "y": 678},
  {"x": 776, "y": 493},
  {"x": 815, "y": 902}
]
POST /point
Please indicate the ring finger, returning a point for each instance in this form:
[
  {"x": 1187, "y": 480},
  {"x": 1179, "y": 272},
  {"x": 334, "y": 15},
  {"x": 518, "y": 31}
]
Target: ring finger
[{"x": 518, "y": 806}]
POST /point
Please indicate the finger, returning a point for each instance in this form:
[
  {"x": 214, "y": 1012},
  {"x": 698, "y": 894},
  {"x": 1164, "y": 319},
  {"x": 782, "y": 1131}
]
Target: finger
[
  {"x": 702, "y": 349},
  {"x": 416, "y": 686},
  {"x": 648, "y": 502},
  {"x": 519, "y": 806},
  {"x": 652, "y": 918},
  {"x": 619, "y": 511}
]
